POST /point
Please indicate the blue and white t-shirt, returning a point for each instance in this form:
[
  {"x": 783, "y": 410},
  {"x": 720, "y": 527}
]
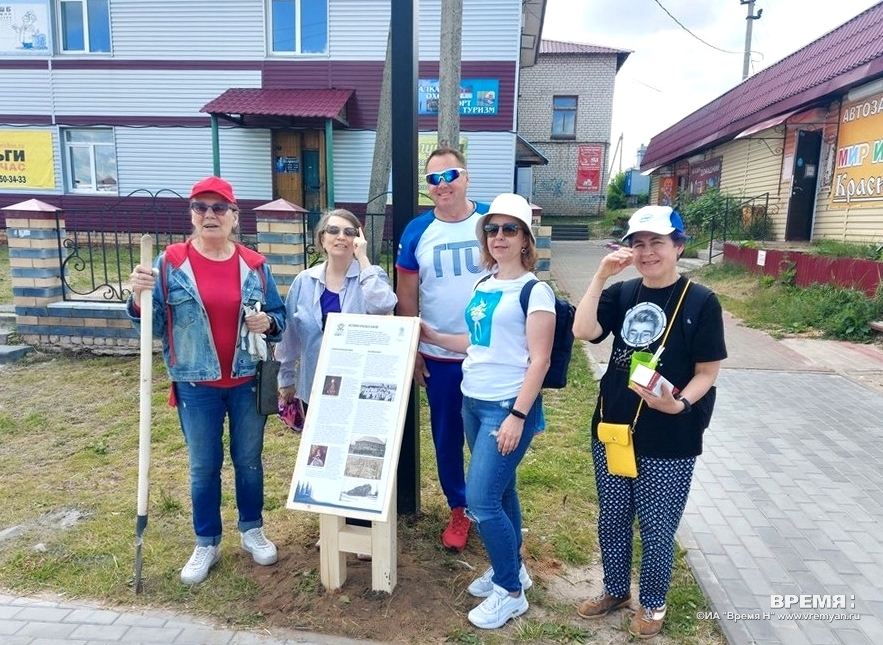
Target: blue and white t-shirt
[
  {"x": 448, "y": 258},
  {"x": 498, "y": 357}
]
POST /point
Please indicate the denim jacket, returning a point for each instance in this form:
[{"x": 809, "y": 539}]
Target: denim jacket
[{"x": 181, "y": 321}]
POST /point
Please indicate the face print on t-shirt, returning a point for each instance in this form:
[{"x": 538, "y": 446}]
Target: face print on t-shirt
[{"x": 643, "y": 324}]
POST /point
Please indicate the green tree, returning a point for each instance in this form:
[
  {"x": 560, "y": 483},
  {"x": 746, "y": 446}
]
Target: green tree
[{"x": 616, "y": 198}]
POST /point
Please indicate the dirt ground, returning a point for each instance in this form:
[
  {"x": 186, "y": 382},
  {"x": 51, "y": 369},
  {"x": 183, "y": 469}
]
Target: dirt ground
[{"x": 429, "y": 604}]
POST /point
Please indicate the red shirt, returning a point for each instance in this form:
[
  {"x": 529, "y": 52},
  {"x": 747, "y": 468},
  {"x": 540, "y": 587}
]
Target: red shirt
[{"x": 219, "y": 287}]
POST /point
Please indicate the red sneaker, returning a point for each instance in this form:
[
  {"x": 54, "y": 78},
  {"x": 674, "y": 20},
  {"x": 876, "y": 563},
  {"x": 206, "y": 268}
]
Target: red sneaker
[{"x": 456, "y": 533}]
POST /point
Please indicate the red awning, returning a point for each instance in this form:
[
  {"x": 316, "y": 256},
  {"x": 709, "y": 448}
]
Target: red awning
[{"x": 305, "y": 103}]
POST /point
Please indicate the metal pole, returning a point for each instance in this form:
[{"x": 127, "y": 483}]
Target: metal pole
[{"x": 403, "y": 45}]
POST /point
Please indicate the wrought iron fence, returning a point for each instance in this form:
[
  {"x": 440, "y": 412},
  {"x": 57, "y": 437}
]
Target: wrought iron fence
[
  {"x": 98, "y": 249},
  {"x": 739, "y": 219}
]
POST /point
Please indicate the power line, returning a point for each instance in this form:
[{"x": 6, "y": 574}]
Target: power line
[{"x": 684, "y": 27}]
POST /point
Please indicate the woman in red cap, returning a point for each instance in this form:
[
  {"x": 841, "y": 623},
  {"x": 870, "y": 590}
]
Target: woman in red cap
[{"x": 212, "y": 297}]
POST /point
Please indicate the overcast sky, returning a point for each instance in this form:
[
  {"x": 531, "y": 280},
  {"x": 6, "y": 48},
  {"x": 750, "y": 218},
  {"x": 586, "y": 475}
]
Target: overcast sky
[{"x": 671, "y": 73}]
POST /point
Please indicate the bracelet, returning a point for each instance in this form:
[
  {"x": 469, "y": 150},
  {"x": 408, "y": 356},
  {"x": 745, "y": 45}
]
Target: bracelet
[{"x": 518, "y": 414}]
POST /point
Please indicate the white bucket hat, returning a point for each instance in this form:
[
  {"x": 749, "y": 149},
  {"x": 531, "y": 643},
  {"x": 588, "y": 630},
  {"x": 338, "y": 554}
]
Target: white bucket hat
[{"x": 508, "y": 204}]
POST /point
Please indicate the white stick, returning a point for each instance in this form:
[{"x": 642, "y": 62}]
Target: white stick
[
  {"x": 657, "y": 354},
  {"x": 145, "y": 394},
  {"x": 146, "y": 391}
]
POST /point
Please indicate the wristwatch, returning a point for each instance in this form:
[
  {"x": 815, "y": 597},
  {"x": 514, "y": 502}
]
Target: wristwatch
[{"x": 687, "y": 405}]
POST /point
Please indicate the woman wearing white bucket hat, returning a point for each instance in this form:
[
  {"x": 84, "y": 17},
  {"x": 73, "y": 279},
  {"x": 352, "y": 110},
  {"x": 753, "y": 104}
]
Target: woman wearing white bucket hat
[{"x": 507, "y": 356}]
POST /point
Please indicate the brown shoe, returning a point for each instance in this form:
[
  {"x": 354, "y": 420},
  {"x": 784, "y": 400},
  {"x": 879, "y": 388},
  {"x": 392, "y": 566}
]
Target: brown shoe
[
  {"x": 601, "y": 605},
  {"x": 647, "y": 622},
  {"x": 456, "y": 533}
]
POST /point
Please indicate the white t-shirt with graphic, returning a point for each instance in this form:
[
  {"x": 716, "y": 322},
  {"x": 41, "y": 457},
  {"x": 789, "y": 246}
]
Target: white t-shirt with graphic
[{"x": 498, "y": 358}]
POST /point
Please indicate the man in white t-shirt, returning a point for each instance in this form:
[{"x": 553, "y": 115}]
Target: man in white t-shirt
[{"x": 438, "y": 264}]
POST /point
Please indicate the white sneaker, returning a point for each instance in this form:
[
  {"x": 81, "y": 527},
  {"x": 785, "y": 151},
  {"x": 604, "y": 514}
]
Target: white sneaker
[
  {"x": 498, "y": 608},
  {"x": 262, "y": 550},
  {"x": 203, "y": 559},
  {"x": 483, "y": 587}
]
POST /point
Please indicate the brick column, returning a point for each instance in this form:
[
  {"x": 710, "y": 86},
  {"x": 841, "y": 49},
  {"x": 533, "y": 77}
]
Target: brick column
[
  {"x": 281, "y": 239},
  {"x": 544, "y": 244},
  {"x": 33, "y": 255}
]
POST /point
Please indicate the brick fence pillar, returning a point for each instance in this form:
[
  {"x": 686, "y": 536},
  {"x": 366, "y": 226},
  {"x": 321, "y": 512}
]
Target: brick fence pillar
[
  {"x": 33, "y": 233},
  {"x": 281, "y": 239},
  {"x": 544, "y": 244}
]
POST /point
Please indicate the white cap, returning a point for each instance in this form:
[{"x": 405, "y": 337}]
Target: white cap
[
  {"x": 655, "y": 219},
  {"x": 508, "y": 204}
]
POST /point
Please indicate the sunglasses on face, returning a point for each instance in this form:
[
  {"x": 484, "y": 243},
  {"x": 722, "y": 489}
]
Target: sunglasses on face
[
  {"x": 448, "y": 176},
  {"x": 349, "y": 231},
  {"x": 202, "y": 208},
  {"x": 509, "y": 229}
]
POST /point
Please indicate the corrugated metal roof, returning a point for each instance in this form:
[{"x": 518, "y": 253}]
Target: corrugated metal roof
[
  {"x": 562, "y": 47},
  {"x": 310, "y": 103},
  {"x": 845, "y": 57}
]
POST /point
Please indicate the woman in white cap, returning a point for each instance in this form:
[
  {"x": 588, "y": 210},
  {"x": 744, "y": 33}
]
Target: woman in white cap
[
  {"x": 667, "y": 436},
  {"x": 204, "y": 303},
  {"x": 507, "y": 357}
]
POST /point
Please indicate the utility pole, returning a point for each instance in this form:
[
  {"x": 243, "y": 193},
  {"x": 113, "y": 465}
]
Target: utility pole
[
  {"x": 450, "y": 46},
  {"x": 749, "y": 19}
]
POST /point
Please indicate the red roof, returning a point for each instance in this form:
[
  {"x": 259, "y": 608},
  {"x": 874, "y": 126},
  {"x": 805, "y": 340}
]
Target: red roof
[
  {"x": 313, "y": 103},
  {"x": 561, "y": 47},
  {"x": 847, "y": 56}
]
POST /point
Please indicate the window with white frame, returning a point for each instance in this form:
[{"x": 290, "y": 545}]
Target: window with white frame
[
  {"x": 564, "y": 117},
  {"x": 90, "y": 160},
  {"x": 299, "y": 26},
  {"x": 84, "y": 26}
]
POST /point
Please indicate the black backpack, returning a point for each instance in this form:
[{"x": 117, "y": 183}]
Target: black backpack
[{"x": 562, "y": 343}]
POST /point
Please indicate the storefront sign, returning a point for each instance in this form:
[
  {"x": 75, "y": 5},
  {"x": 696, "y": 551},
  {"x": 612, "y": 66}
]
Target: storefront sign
[
  {"x": 478, "y": 96},
  {"x": 588, "y": 168},
  {"x": 704, "y": 175},
  {"x": 26, "y": 160},
  {"x": 24, "y": 27},
  {"x": 858, "y": 168}
]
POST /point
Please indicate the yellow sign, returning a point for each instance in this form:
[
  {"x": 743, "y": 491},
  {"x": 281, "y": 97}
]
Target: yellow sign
[
  {"x": 425, "y": 145},
  {"x": 26, "y": 160},
  {"x": 858, "y": 169}
]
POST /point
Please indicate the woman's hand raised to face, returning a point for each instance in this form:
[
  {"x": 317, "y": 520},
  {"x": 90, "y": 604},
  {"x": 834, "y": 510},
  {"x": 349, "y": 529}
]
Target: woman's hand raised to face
[{"x": 360, "y": 246}]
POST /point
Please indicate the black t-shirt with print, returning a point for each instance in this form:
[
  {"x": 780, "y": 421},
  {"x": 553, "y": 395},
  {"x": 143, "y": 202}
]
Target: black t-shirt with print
[{"x": 640, "y": 326}]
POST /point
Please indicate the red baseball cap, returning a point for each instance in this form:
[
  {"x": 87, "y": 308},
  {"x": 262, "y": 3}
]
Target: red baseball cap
[{"x": 213, "y": 185}]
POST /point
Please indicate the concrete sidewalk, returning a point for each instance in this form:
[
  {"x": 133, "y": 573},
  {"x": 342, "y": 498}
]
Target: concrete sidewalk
[{"x": 787, "y": 499}]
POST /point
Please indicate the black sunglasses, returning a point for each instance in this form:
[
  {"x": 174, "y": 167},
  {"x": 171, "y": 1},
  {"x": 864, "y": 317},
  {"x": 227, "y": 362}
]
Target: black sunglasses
[
  {"x": 349, "y": 231},
  {"x": 202, "y": 208},
  {"x": 509, "y": 229},
  {"x": 449, "y": 175}
]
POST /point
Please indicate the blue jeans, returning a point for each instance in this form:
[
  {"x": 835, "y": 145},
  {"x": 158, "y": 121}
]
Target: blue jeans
[
  {"x": 445, "y": 401},
  {"x": 202, "y": 410},
  {"x": 491, "y": 494}
]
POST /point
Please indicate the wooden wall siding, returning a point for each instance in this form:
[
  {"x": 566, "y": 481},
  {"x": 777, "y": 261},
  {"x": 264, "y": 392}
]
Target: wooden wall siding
[
  {"x": 174, "y": 158},
  {"x": 118, "y": 92},
  {"x": 752, "y": 167},
  {"x": 365, "y": 76}
]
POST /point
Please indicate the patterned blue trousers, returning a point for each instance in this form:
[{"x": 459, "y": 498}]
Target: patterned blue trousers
[{"x": 657, "y": 496}]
